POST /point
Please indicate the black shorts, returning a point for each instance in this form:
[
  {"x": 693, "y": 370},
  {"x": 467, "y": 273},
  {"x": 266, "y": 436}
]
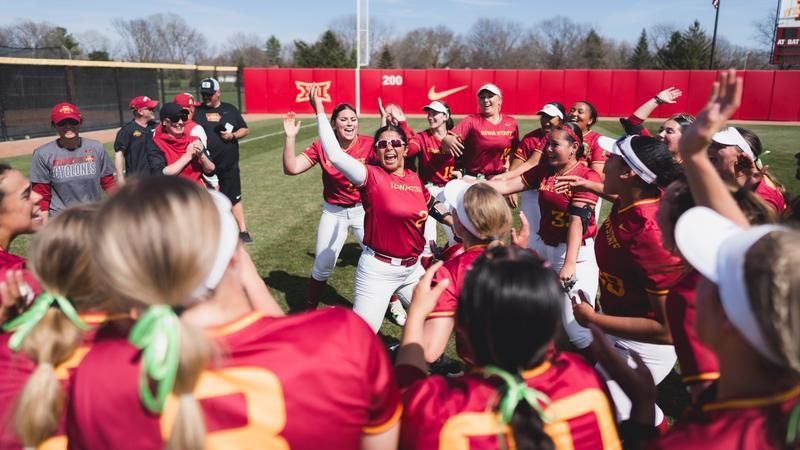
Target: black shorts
[{"x": 230, "y": 183}]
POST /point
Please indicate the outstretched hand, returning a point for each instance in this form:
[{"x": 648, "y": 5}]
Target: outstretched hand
[
  {"x": 315, "y": 100},
  {"x": 726, "y": 96},
  {"x": 669, "y": 95},
  {"x": 522, "y": 238},
  {"x": 291, "y": 126}
]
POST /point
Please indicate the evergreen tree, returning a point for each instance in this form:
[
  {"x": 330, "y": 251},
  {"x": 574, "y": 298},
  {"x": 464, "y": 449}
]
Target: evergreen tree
[
  {"x": 697, "y": 47},
  {"x": 305, "y": 55},
  {"x": 671, "y": 56},
  {"x": 593, "y": 51},
  {"x": 99, "y": 55},
  {"x": 641, "y": 57},
  {"x": 273, "y": 52},
  {"x": 330, "y": 51},
  {"x": 385, "y": 58}
]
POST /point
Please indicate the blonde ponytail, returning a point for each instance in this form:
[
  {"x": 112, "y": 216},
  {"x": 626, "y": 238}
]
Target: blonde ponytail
[{"x": 189, "y": 431}]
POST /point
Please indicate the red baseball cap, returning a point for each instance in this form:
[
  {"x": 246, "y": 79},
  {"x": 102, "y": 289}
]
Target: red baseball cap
[
  {"x": 143, "y": 101},
  {"x": 63, "y": 111},
  {"x": 185, "y": 100}
]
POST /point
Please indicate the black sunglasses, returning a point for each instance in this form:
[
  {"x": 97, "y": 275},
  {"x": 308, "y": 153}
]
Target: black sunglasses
[
  {"x": 178, "y": 117},
  {"x": 67, "y": 123}
]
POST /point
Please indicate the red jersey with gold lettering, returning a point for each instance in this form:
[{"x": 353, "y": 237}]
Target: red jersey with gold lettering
[
  {"x": 698, "y": 363},
  {"x": 533, "y": 142},
  {"x": 336, "y": 188},
  {"x": 300, "y": 381},
  {"x": 443, "y": 413},
  {"x": 15, "y": 370},
  {"x": 487, "y": 145},
  {"x": 632, "y": 261},
  {"x": 771, "y": 195},
  {"x": 554, "y": 224},
  {"x": 395, "y": 210},
  {"x": 737, "y": 424},
  {"x": 592, "y": 152},
  {"x": 435, "y": 166}
]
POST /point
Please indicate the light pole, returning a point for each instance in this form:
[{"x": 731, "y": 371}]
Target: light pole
[{"x": 362, "y": 57}]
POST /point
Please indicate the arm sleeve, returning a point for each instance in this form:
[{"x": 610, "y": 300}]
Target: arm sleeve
[
  {"x": 122, "y": 140},
  {"x": 351, "y": 168},
  {"x": 532, "y": 177}
]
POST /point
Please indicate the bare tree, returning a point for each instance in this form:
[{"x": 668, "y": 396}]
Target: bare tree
[
  {"x": 345, "y": 30},
  {"x": 428, "y": 48},
  {"x": 560, "y": 42},
  {"x": 493, "y": 43},
  {"x": 244, "y": 49},
  {"x": 160, "y": 37},
  {"x": 764, "y": 31}
]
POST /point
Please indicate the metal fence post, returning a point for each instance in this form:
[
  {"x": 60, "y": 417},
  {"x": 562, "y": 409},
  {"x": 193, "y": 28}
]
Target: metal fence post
[
  {"x": 119, "y": 97},
  {"x": 69, "y": 82},
  {"x": 161, "y": 85},
  {"x": 3, "y": 126}
]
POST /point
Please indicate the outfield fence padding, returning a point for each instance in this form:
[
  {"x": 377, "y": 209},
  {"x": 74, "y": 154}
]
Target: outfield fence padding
[{"x": 768, "y": 95}]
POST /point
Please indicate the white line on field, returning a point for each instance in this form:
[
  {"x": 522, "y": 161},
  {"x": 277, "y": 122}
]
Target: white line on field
[{"x": 272, "y": 134}]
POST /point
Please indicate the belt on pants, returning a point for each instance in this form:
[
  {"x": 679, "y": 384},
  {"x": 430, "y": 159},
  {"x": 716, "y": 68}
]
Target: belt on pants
[{"x": 405, "y": 262}]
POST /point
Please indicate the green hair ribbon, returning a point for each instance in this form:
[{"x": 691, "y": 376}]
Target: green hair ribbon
[
  {"x": 517, "y": 390},
  {"x": 794, "y": 418},
  {"x": 157, "y": 333},
  {"x": 28, "y": 320}
]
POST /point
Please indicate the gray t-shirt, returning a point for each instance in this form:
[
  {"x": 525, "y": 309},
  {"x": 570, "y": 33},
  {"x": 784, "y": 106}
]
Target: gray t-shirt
[{"x": 73, "y": 175}]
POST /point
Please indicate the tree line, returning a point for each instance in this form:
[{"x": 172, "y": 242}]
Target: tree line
[{"x": 555, "y": 43}]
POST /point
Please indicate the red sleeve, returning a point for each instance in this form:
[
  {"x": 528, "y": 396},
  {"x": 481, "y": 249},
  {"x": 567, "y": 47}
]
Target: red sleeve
[
  {"x": 43, "y": 189},
  {"x": 108, "y": 183},
  {"x": 532, "y": 177},
  {"x": 635, "y": 120},
  {"x": 425, "y": 193},
  {"x": 463, "y": 128},
  {"x": 587, "y": 197},
  {"x": 414, "y": 146},
  {"x": 407, "y": 130},
  {"x": 312, "y": 152},
  {"x": 448, "y": 301},
  {"x": 597, "y": 154},
  {"x": 384, "y": 407}
]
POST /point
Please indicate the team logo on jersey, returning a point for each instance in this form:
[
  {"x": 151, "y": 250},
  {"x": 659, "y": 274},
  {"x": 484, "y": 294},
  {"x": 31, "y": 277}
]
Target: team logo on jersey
[
  {"x": 213, "y": 117},
  {"x": 433, "y": 95},
  {"x": 304, "y": 89},
  {"x": 66, "y": 109},
  {"x": 137, "y": 133}
]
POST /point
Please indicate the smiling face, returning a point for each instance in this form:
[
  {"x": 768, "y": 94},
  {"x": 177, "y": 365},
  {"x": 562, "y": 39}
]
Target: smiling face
[
  {"x": 174, "y": 126},
  {"x": 68, "y": 129},
  {"x": 670, "y": 133},
  {"x": 19, "y": 211},
  {"x": 724, "y": 159},
  {"x": 560, "y": 151},
  {"x": 345, "y": 125},
  {"x": 489, "y": 104},
  {"x": 436, "y": 119},
  {"x": 581, "y": 114},
  {"x": 390, "y": 150},
  {"x": 549, "y": 122},
  {"x": 210, "y": 100}
]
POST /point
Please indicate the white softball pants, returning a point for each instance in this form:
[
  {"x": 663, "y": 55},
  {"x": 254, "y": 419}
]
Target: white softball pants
[
  {"x": 659, "y": 359},
  {"x": 587, "y": 274},
  {"x": 376, "y": 281},
  {"x": 437, "y": 192},
  {"x": 529, "y": 204},
  {"x": 331, "y": 235}
]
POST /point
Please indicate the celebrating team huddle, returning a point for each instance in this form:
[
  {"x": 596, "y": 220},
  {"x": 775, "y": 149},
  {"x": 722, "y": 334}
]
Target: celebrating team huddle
[{"x": 129, "y": 326}]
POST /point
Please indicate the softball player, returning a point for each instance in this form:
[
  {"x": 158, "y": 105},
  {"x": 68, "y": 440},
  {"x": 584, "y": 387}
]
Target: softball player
[
  {"x": 636, "y": 273},
  {"x": 435, "y": 166},
  {"x": 484, "y": 141},
  {"x": 396, "y": 206},
  {"x": 672, "y": 128},
  {"x": 517, "y": 396},
  {"x": 341, "y": 206},
  {"x": 167, "y": 380},
  {"x": 567, "y": 225},
  {"x": 584, "y": 114}
]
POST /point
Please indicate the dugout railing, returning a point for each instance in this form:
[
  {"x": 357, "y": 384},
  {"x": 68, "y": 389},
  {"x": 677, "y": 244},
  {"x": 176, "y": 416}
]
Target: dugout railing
[{"x": 30, "y": 87}]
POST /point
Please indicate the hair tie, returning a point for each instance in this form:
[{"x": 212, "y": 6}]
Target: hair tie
[
  {"x": 794, "y": 421},
  {"x": 28, "y": 320},
  {"x": 157, "y": 333},
  {"x": 516, "y": 391},
  {"x": 571, "y": 134}
]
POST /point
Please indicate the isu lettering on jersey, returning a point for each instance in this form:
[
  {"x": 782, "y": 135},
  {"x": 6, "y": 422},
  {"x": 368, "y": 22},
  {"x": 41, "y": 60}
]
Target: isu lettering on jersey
[
  {"x": 299, "y": 381},
  {"x": 554, "y": 224},
  {"x": 698, "y": 363},
  {"x": 592, "y": 152},
  {"x": 336, "y": 188},
  {"x": 771, "y": 195},
  {"x": 632, "y": 261},
  {"x": 736, "y": 424},
  {"x": 444, "y": 413},
  {"x": 395, "y": 211},
  {"x": 487, "y": 145},
  {"x": 435, "y": 166},
  {"x": 533, "y": 142},
  {"x": 15, "y": 370}
]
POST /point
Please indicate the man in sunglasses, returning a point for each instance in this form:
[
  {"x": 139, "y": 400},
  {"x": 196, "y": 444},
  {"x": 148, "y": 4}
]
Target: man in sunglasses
[
  {"x": 184, "y": 154},
  {"x": 71, "y": 169},
  {"x": 224, "y": 126},
  {"x": 130, "y": 146}
]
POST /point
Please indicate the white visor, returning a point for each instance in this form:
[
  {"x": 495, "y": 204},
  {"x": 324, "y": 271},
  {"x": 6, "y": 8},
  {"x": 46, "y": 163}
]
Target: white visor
[
  {"x": 731, "y": 136},
  {"x": 551, "y": 110},
  {"x": 717, "y": 248},
  {"x": 491, "y": 88},
  {"x": 622, "y": 147},
  {"x": 436, "y": 106},
  {"x": 226, "y": 246},
  {"x": 454, "y": 192}
]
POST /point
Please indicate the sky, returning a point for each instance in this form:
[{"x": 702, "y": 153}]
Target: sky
[{"x": 307, "y": 19}]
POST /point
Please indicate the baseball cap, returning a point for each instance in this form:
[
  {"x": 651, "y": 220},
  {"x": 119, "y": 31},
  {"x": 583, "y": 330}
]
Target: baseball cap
[
  {"x": 185, "y": 100},
  {"x": 551, "y": 110},
  {"x": 142, "y": 101},
  {"x": 622, "y": 147},
  {"x": 436, "y": 106},
  {"x": 717, "y": 248},
  {"x": 731, "y": 136},
  {"x": 64, "y": 111},
  {"x": 491, "y": 88},
  {"x": 209, "y": 86},
  {"x": 170, "y": 110},
  {"x": 454, "y": 192}
]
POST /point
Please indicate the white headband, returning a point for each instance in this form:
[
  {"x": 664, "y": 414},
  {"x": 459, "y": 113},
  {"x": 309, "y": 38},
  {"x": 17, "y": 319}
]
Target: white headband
[
  {"x": 226, "y": 246},
  {"x": 454, "y": 198},
  {"x": 623, "y": 148}
]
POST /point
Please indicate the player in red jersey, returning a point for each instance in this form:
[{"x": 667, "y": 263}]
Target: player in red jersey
[
  {"x": 184, "y": 153},
  {"x": 636, "y": 272},
  {"x": 584, "y": 114},
  {"x": 396, "y": 206},
  {"x": 517, "y": 396},
  {"x": 341, "y": 205},
  {"x": 484, "y": 141},
  {"x": 671, "y": 129},
  {"x": 567, "y": 225},
  {"x": 41, "y": 346},
  {"x": 222, "y": 375},
  {"x": 435, "y": 166}
]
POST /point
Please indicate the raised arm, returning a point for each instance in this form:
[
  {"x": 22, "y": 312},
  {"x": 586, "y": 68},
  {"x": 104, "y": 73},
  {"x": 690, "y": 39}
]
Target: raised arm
[
  {"x": 293, "y": 164},
  {"x": 668, "y": 95},
  {"x": 506, "y": 187},
  {"x": 354, "y": 170}
]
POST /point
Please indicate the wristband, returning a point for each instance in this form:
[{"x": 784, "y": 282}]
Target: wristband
[{"x": 658, "y": 100}]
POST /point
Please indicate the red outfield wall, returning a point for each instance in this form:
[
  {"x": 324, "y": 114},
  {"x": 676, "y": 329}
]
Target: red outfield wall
[{"x": 768, "y": 95}]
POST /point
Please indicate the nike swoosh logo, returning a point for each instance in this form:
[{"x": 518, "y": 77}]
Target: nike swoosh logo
[{"x": 433, "y": 95}]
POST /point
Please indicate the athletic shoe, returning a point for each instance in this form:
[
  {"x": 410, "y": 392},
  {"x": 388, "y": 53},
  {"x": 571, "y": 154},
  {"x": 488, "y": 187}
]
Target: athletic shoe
[
  {"x": 397, "y": 313},
  {"x": 245, "y": 237},
  {"x": 447, "y": 367}
]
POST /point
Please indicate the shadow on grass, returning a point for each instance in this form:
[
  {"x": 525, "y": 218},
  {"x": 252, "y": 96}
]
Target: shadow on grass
[
  {"x": 295, "y": 290},
  {"x": 349, "y": 255}
]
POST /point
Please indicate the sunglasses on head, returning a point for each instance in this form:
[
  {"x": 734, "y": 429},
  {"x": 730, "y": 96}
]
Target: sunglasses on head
[
  {"x": 396, "y": 143},
  {"x": 67, "y": 123},
  {"x": 178, "y": 117}
]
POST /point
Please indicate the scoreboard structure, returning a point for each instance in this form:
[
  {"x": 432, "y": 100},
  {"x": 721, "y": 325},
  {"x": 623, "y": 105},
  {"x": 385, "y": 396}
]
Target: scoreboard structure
[{"x": 787, "y": 34}]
